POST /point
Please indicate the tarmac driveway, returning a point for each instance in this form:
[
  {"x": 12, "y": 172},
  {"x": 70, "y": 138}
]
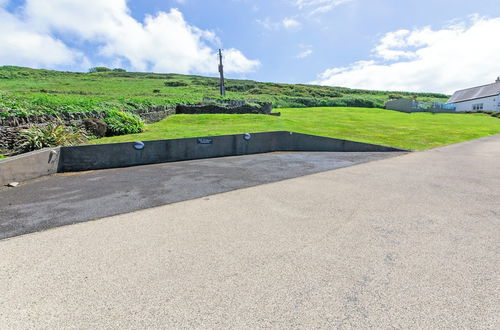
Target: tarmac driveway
[
  {"x": 404, "y": 242},
  {"x": 68, "y": 198}
]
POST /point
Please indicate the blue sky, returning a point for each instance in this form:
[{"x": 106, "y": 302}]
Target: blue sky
[{"x": 437, "y": 45}]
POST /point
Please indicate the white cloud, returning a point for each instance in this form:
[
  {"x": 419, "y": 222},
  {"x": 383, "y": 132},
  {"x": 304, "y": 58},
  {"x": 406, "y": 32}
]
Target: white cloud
[
  {"x": 317, "y": 6},
  {"x": 267, "y": 24},
  {"x": 235, "y": 61},
  {"x": 164, "y": 42},
  {"x": 291, "y": 23},
  {"x": 21, "y": 44},
  {"x": 287, "y": 23},
  {"x": 305, "y": 53},
  {"x": 445, "y": 60}
]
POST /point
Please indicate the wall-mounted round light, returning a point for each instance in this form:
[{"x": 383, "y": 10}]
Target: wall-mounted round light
[
  {"x": 138, "y": 145},
  {"x": 247, "y": 136}
]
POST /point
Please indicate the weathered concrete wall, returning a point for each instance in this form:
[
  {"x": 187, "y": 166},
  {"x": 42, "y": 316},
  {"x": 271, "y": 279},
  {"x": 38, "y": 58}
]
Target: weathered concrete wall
[
  {"x": 305, "y": 142},
  {"x": 29, "y": 166},
  {"x": 403, "y": 105},
  {"x": 94, "y": 157},
  {"x": 123, "y": 154}
]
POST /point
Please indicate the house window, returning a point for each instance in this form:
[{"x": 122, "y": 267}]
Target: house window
[{"x": 478, "y": 106}]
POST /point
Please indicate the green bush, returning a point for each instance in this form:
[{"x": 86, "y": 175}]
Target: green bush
[
  {"x": 175, "y": 84},
  {"x": 121, "y": 123},
  {"x": 395, "y": 96},
  {"x": 99, "y": 69},
  {"x": 49, "y": 135},
  {"x": 119, "y": 70}
]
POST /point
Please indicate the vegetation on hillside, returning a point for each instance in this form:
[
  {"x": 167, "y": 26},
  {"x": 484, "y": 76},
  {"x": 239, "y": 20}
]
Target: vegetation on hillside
[
  {"x": 414, "y": 131},
  {"x": 50, "y": 135},
  {"x": 25, "y": 91}
]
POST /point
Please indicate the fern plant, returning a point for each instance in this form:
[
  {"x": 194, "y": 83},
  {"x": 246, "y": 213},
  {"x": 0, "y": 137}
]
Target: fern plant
[
  {"x": 50, "y": 135},
  {"x": 121, "y": 123}
]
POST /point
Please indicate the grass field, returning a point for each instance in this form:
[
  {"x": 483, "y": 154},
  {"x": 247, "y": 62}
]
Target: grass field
[
  {"x": 415, "y": 131},
  {"x": 309, "y": 109}
]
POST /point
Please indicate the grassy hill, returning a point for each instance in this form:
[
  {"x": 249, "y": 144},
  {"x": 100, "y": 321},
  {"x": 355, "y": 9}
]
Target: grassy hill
[
  {"x": 25, "y": 91},
  {"x": 352, "y": 114}
]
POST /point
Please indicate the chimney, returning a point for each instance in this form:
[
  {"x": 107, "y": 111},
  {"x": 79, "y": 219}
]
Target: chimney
[{"x": 498, "y": 80}]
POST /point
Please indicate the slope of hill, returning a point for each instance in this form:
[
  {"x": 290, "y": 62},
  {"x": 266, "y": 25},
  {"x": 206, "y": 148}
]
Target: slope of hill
[{"x": 25, "y": 91}]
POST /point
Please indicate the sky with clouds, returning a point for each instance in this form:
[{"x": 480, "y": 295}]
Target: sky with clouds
[{"x": 413, "y": 45}]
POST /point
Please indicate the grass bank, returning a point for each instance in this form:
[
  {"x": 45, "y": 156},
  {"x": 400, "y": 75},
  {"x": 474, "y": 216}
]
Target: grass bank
[
  {"x": 27, "y": 92},
  {"x": 415, "y": 131}
]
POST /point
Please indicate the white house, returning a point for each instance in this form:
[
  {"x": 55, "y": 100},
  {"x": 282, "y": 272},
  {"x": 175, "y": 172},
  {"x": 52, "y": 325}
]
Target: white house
[{"x": 485, "y": 97}]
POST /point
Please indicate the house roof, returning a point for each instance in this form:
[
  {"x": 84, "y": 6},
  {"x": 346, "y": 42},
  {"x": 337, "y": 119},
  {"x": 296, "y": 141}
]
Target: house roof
[{"x": 475, "y": 93}]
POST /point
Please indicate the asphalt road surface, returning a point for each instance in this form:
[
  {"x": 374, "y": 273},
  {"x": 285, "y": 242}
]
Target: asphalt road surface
[
  {"x": 405, "y": 242},
  {"x": 75, "y": 197}
]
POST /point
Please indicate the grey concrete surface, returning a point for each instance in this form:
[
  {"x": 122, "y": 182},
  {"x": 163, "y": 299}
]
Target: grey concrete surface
[
  {"x": 29, "y": 166},
  {"x": 74, "y": 197},
  {"x": 407, "y": 242},
  {"x": 93, "y": 157}
]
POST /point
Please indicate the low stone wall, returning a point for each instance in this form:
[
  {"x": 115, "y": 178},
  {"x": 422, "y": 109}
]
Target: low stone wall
[
  {"x": 68, "y": 118},
  {"x": 150, "y": 115},
  {"x": 11, "y": 126},
  {"x": 155, "y": 114},
  {"x": 195, "y": 109},
  {"x": 8, "y": 138}
]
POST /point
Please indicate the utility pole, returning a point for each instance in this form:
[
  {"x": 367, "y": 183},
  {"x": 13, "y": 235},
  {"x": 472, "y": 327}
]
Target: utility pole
[{"x": 221, "y": 71}]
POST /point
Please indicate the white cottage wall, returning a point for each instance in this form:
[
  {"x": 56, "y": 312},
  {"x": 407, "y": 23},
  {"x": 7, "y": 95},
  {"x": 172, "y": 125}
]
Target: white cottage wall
[{"x": 491, "y": 103}]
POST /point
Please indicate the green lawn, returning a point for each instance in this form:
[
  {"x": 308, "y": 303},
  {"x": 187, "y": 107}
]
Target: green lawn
[
  {"x": 2, "y": 156},
  {"x": 415, "y": 131}
]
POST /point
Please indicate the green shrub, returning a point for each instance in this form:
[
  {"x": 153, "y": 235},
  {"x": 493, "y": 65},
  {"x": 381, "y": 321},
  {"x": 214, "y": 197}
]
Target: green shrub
[
  {"x": 119, "y": 70},
  {"x": 240, "y": 87},
  {"x": 121, "y": 123},
  {"x": 49, "y": 135},
  {"x": 99, "y": 69},
  {"x": 395, "y": 96},
  {"x": 175, "y": 84}
]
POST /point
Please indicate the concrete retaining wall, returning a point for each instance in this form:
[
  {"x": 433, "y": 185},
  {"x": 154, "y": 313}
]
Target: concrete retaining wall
[
  {"x": 95, "y": 157},
  {"x": 29, "y": 166}
]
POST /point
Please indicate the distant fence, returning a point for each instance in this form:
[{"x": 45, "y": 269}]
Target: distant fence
[{"x": 410, "y": 106}]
